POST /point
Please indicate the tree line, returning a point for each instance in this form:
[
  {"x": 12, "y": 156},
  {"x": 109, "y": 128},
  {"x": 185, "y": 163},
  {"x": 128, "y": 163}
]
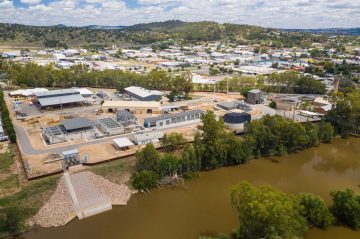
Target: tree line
[
  {"x": 266, "y": 212},
  {"x": 288, "y": 82},
  {"x": 33, "y": 75},
  {"x": 6, "y": 121}
]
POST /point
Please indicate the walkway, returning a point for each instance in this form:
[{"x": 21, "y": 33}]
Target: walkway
[{"x": 87, "y": 199}]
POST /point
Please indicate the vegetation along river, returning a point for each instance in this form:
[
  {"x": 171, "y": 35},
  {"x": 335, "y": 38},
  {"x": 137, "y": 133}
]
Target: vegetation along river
[{"x": 203, "y": 205}]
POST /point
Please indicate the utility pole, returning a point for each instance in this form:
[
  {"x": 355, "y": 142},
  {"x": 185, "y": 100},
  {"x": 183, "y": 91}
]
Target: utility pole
[
  {"x": 227, "y": 85},
  {"x": 294, "y": 114},
  {"x": 60, "y": 107}
]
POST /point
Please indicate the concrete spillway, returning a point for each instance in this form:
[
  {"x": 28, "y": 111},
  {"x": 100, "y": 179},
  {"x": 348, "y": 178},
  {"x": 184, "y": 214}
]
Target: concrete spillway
[{"x": 87, "y": 199}]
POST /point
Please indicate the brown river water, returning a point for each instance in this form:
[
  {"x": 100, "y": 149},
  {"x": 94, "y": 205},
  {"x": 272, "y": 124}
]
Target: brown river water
[{"x": 203, "y": 205}]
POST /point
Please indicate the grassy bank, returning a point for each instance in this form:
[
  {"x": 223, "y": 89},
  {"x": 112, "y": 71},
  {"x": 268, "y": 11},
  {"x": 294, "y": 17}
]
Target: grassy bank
[
  {"x": 15, "y": 210},
  {"x": 117, "y": 171}
]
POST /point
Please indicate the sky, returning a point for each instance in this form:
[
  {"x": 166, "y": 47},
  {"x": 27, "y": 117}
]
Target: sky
[{"x": 266, "y": 13}]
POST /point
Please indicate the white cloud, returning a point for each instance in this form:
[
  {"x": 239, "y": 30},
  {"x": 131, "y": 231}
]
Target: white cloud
[
  {"x": 30, "y": 1},
  {"x": 269, "y": 13}
]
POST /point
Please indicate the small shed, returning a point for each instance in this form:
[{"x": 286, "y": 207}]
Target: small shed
[
  {"x": 123, "y": 143},
  {"x": 254, "y": 97}
]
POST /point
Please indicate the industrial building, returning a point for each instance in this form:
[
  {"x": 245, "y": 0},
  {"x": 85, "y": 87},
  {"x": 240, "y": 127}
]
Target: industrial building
[
  {"x": 58, "y": 98},
  {"x": 148, "y": 138},
  {"x": 125, "y": 117},
  {"x": 69, "y": 129},
  {"x": 136, "y": 107},
  {"x": 109, "y": 126},
  {"x": 171, "y": 119},
  {"x": 254, "y": 97},
  {"x": 26, "y": 93},
  {"x": 236, "y": 121},
  {"x": 143, "y": 94}
]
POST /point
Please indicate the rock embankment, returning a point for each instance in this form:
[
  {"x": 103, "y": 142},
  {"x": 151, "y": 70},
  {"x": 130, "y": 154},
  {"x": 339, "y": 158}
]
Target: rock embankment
[
  {"x": 119, "y": 194},
  {"x": 59, "y": 210}
]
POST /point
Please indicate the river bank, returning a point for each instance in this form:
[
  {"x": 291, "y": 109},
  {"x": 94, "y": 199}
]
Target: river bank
[
  {"x": 59, "y": 210},
  {"x": 203, "y": 205}
]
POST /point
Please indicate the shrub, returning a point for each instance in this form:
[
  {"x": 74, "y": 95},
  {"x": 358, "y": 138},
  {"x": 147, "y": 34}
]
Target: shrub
[
  {"x": 346, "y": 207},
  {"x": 144, "y": 180},
  {"x": 315, "y": 210}
]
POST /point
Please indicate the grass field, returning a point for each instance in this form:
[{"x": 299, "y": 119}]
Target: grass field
[
  {"x": 25, "y": 204},
  {"x": 6, "y": 160}
]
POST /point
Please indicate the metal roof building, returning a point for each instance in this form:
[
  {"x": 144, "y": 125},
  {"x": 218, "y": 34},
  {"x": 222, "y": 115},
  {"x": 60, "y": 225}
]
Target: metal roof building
[
  {"x": 138, "y": 107},
  {"x": 76, "y": 124},
  {"x": 110, "y": 126},
  {"x": 122, "y": 143},
  {"x": 167, "y": 119},
  {"x": 54, "y": 93},
  {"x": 143, "y": 94},
  {"x": 56, "y": 98}
]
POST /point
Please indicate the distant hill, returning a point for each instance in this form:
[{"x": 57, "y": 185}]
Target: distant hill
[
  {"x": 97, "y": 27},
  {"x": 156, "y": 32},
  {"x": 329, "y": 31}
]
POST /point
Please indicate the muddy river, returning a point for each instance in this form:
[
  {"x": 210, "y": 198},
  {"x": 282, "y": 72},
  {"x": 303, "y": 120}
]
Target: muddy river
[{"x": 203, "y": 205}]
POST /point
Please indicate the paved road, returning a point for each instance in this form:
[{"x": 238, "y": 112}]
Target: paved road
[{"x": 27, "y": 148}]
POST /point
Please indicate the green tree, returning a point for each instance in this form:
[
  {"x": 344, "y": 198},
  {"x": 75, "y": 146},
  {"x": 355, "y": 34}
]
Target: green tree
[
  {"x": 168, "y": 165},
  {"x": 144, "y": 180},
  {"x": 213, "y": 153},
  {"x": 346, "y": 207},
  {"x": 173, "y": 141},
  {"x": 345, "y": 113},
  {"x": 315, "y": 210},
  {"x": 312, "y": 134},
  {"x": 326, "y": 132},
  {"x": 147, "y": 159},
  {"x": 189, "y": 161},
  {"x": 266, "y": 212}
]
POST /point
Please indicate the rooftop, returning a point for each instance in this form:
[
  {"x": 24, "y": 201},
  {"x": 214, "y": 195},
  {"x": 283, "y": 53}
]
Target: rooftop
[
  {"x": 54, "y": 93},
  {"x": 142, "y": 92},
  {"x": 84, "y": 91},
  {"x": 255, "y": 91},
  {"x": 131, "y": 104},
  {"x": 58, "y": 100},
  {"x": 123, "y": 142},
  {"x": 169, "y": 116},
  {"x": 237, "y": 118},
  {"x": 109, "y": 123},
  {"x": 76, "y": 123}
]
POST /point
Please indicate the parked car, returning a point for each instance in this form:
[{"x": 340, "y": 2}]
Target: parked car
[{"x": 4, "y": 138}]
